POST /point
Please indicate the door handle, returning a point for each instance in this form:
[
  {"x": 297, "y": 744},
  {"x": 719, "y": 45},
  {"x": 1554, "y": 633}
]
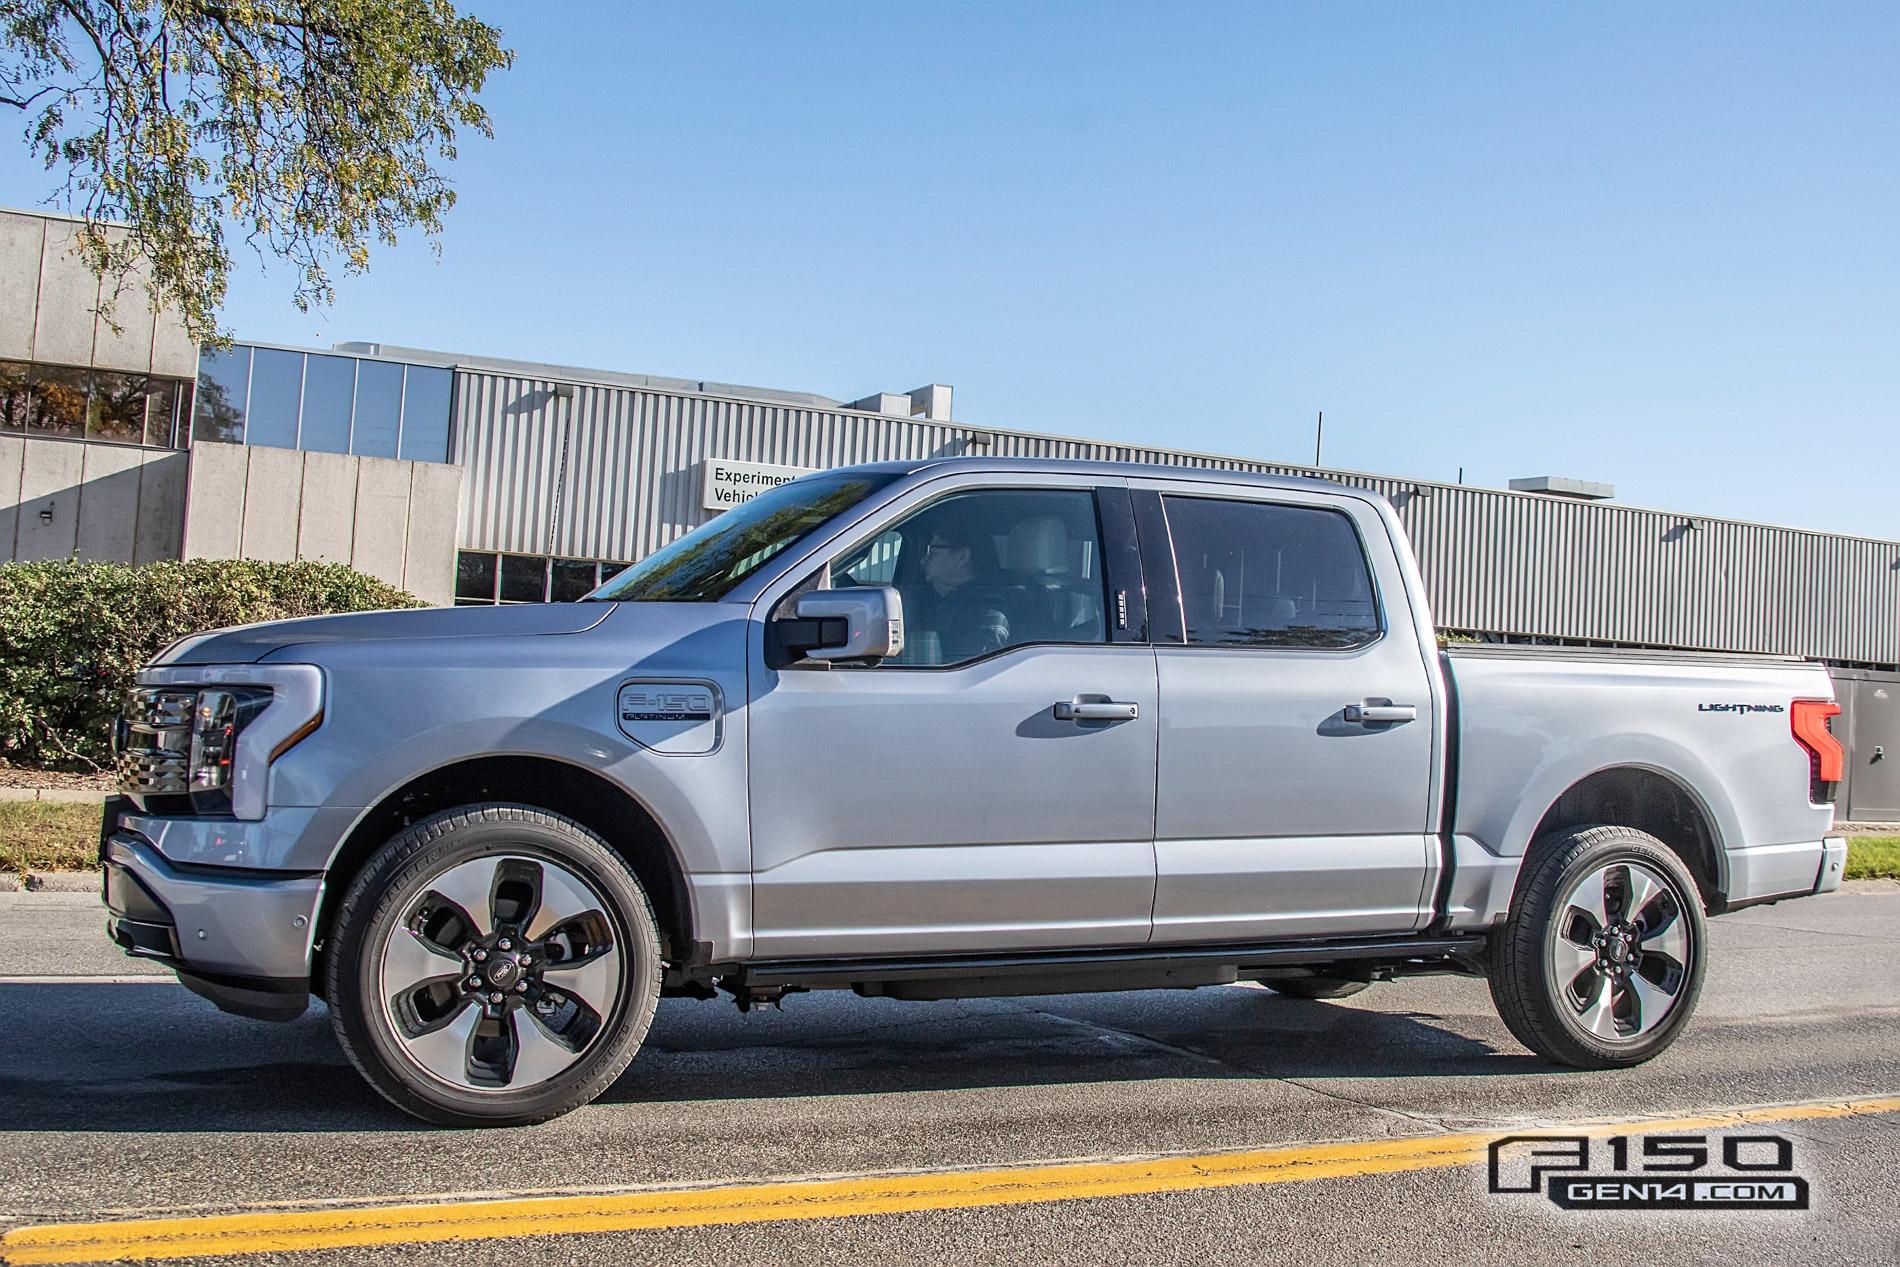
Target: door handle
[
  {"x": 1368, "y": 714},
  {"x": 1096, "y": 708}
]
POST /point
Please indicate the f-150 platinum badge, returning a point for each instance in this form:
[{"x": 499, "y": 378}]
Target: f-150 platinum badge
[{"x": 676, "y": 716}]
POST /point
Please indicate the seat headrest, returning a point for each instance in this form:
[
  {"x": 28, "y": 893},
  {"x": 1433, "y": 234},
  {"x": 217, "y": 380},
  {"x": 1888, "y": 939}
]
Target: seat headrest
[
  {"x": 1272, "y": 611},
  {"x": 1039, "y": 545}
]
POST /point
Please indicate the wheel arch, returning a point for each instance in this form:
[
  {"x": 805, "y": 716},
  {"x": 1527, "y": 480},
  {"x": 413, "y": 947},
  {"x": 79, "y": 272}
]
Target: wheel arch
[
  {"x": 1651, "y": 801},
  {"x": 547, "y": 783}
]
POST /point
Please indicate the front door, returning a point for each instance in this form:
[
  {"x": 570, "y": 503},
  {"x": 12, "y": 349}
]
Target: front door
[{"x": 938, "y": 802}]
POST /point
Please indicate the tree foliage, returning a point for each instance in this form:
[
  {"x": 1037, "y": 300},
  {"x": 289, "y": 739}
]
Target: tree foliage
[{"x": 312, "y": 128}]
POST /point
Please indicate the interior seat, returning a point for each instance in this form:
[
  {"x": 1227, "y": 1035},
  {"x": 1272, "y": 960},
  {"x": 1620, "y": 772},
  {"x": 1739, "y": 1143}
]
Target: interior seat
[{"x": 1055, "y": 604}]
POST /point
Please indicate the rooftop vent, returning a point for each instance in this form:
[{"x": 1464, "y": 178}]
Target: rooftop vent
[
  {"x": 1559, "y": 486},
  {"x": 930, "y": 402}
]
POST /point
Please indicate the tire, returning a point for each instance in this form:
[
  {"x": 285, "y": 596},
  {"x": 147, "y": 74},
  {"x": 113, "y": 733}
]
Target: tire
[
  {"x": 543, "y": 997},
  {"x": 1600, "y": 962},
  {"x": 1315, "y": 987}
]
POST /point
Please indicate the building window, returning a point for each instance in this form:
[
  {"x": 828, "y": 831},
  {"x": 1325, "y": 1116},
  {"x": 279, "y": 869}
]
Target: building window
[
  {"x": 483, "y": 578},
  {"x": 59, "y": 401},
  {"x": 329, "y": 394},
  {"x": 323, "y": 403},
  {"x": 52, "y": 400},
  {"x": 224, "y": 384},
  {"x": 425, "y": 414},
  {"x": 378, "y": 409},
  {"x": 569, "y": 579},
  {"x": 474, "y": 578},
  {"x": 524, "y": 578},
  {"x": 270, "y": 418}
]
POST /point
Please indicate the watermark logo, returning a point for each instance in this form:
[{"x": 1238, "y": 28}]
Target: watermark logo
[{"x": 1651, "y": 1172}]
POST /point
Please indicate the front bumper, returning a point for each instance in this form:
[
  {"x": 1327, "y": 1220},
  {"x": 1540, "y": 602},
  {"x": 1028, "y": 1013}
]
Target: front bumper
[{"x": 240, "y": 938}]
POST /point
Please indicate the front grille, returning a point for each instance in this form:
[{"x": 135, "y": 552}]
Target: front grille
[{"x": 153, "y": 739}]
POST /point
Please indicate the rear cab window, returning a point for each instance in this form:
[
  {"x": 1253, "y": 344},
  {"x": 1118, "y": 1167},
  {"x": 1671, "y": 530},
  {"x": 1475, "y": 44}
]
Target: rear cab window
[{"x": 1267, "y": 574}]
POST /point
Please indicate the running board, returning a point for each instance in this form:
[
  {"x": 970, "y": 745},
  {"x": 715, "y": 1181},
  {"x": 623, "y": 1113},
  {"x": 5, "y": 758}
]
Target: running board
[{"x": 1125, "y": 968}]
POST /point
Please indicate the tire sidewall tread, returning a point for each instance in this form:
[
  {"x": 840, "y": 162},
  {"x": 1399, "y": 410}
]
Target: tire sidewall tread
[
  {"x": 354, "y": 1011},
  {"x": 1519, "y": 985}
]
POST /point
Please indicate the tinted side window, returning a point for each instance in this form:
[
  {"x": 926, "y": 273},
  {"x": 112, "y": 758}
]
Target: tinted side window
[
  {"x": 986, "y": 570},
  {"x": 1255, "y": 574}
]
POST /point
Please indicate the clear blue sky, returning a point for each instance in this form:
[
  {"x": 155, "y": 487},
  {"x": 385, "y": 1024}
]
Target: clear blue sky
[{"x": 1652, "y": 245}]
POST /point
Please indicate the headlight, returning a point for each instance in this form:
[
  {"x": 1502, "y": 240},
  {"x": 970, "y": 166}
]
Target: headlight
[
  {"x": 174, "y": 742},
  {"x": 202, "y": 738}
]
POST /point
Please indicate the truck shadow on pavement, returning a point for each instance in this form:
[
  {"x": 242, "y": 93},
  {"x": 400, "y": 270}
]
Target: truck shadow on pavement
[{"x": 138, "y": 1058}]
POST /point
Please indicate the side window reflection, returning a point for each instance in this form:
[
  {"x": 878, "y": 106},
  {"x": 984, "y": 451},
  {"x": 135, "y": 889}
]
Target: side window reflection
[{"x": 987, "y": 570}]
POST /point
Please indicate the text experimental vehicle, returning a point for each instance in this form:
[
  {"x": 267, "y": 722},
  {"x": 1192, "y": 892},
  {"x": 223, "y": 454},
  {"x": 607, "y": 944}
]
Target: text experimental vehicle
[{"x": 940, "y": 729}]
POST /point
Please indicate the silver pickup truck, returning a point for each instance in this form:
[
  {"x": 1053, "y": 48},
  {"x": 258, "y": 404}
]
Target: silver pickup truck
[{"x": 946, "y": 728}]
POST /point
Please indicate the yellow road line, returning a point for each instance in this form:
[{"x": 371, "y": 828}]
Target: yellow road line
[{"x": 340, "y": 1228}]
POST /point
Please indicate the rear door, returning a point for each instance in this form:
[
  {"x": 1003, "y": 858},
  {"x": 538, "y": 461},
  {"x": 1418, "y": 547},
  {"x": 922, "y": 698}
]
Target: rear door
[{"x": 1297, "y": 737}]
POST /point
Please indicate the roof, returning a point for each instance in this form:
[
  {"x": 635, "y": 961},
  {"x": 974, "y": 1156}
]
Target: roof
[{"x": 1129, "y": 470}]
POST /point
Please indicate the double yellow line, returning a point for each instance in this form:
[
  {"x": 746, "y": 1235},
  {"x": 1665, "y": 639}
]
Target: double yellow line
[{"x": 346, "y": 1227}]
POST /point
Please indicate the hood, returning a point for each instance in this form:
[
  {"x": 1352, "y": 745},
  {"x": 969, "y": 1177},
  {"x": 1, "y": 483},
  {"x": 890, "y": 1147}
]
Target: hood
[{"x": 247, "y": 644}]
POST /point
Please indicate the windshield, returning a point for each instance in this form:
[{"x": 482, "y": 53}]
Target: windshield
[{"x": 707, "y": 562}]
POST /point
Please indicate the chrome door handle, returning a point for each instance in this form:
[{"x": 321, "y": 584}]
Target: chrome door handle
[
  {"x": 1096, "y": 708},
  {"x": 1370, "y": 713}
]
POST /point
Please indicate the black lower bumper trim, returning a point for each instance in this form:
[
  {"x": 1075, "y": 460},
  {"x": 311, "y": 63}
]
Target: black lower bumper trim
[
  {"x": 260, "y": 998},
  {"x": 144, "y": 940}
]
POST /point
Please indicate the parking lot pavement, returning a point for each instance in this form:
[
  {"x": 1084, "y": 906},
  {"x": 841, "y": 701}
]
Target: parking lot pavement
[{"x": 124, "y": 1094}]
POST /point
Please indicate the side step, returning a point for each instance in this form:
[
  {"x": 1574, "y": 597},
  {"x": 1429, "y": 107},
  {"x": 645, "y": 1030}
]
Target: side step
[{"x": 1124, "y": 968}]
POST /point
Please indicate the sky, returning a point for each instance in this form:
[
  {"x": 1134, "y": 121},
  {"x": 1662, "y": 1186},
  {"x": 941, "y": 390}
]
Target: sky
[{"x": 1656, "y": 246}]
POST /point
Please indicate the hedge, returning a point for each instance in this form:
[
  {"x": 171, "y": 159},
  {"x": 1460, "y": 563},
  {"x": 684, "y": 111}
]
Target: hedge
[{"x": 73, "y": 634}]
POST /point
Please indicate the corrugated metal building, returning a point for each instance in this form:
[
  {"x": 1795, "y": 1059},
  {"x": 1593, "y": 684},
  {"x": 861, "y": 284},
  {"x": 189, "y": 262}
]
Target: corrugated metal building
[{"x": 561, "y": 468}]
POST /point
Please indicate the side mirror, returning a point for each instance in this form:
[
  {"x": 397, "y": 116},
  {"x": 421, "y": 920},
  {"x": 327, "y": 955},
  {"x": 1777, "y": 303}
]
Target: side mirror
[{"x": 864, "y": 623}]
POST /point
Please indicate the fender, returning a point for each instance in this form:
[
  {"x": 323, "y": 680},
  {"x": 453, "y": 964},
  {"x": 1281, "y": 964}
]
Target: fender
[{"x": 1506, "y": 828}]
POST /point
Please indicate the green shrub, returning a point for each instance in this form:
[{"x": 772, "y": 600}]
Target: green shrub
[{"x": 73, "y": 634}]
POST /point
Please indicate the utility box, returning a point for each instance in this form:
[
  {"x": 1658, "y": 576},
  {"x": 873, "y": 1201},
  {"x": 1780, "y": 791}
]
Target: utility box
[{"x": 1869, "y": 728}]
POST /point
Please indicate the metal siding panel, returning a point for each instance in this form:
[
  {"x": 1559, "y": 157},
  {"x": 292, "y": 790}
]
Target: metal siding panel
[{"x": 623, "y": 464}]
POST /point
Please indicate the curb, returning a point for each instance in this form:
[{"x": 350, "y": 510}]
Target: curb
[
  {"x": 73, "y": 796},
  {"x": 50, "y": 882}
]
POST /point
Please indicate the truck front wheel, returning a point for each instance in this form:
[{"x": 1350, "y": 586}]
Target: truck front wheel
[
  {"x": 494, "y": 965},
  {"x": 1600, "y": 961}
]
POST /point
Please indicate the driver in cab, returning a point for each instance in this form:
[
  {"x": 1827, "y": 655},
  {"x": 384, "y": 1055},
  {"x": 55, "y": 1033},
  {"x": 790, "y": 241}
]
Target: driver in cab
[{"x": 968, "y": 617}]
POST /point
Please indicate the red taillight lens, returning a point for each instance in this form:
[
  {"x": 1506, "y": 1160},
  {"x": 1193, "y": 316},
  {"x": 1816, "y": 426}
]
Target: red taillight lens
[{"x": 1826, "y": 758}]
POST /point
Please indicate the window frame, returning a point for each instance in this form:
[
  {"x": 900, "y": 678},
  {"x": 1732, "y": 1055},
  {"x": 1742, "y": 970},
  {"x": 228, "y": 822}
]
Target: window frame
[
  {"x": 1112, "y": 562},
  {"x": 1159, "y": 556}
]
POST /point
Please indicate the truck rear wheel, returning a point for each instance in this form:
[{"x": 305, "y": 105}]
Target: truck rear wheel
[
  {"x": 1601, "y": 959},
  {"x": 494, "y": 965}
]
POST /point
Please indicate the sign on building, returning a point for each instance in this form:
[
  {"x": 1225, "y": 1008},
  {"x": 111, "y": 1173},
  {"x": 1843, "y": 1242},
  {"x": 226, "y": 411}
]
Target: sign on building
[{"x": 728, "y": 484}]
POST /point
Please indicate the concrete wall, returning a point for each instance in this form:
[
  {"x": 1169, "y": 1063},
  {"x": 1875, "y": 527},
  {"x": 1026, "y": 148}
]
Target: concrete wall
[
  {"x": 63, "y": 499},
  {"x": 66, "y": 498},
  {"x": 394, "y": 520},
  {"x": 50, "y": 307}
]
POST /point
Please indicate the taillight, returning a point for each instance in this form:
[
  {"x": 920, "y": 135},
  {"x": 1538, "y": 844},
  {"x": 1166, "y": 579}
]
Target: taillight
[{"x": 1827, "y": 760}]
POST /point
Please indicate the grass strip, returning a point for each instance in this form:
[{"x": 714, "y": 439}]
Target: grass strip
[
  {"x": 49, "y": 836},
  {"x": 1873, "y": 858}
]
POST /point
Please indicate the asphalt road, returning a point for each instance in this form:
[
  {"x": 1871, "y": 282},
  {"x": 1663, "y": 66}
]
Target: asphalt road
[{"x": 123, "y": 1096}]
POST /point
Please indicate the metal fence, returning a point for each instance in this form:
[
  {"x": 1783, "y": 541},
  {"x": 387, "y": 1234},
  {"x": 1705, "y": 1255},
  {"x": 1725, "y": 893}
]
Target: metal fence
[{"x": 610, "y": 472}]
